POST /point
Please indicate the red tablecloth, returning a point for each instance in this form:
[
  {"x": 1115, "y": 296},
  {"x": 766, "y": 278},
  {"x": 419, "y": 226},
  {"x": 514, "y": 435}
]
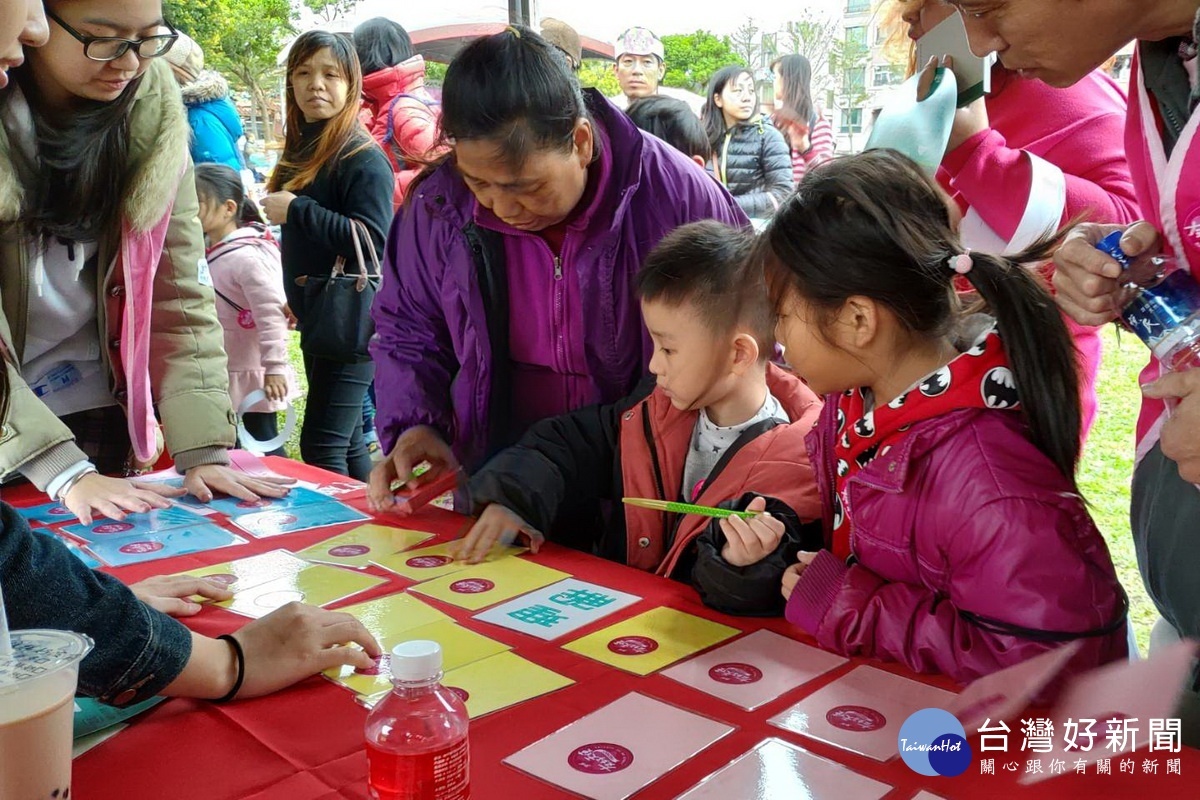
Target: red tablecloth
[{"x": 305, "y": 743}]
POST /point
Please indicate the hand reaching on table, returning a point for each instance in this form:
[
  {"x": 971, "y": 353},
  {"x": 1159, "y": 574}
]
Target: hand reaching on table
[
  {"x": 202, "y": 481},
  {"x": 95, "y": 494},
  {"x": 416, "y": 445},
  {"x": 496, "y": 524},
  {"x": 169, "y": 593}
]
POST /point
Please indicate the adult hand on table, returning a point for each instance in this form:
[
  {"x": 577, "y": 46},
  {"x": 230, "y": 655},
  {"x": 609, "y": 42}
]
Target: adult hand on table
[
  {"x": 1180, "y": 435},
  {"x": 202, "y": 481},
  {"x": 169, "y": 593},
  {"x": 496, "y": 524},
  {"x": 791, "y": 575},
  {"x": 1088, "y": 284},
  {"x": 748, "y": 541},
  {"x": 115, "y": 497},
  {"x": 417, "y": 444}
]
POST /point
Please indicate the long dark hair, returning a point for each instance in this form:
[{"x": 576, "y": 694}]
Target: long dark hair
[
  {"x": 76, "y": 190},
  {"x": 342, "y": 136},
  {"x": 875, "y": 225},
  {"x": 221, "y": 183},
  {"x": 711, "y": 115},
  {"x": 512, "y": 88},
  {"x": 794, "y": 104},
  {"x": 380, "y": 44}
]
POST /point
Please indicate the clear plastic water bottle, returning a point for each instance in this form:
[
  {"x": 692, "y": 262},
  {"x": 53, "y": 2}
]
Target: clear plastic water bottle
[
  {"x": 1164, "y": 311},
  {"x": 417, "y": 746}
]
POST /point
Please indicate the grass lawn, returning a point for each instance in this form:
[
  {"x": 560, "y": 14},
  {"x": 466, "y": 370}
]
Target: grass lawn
[{"x": 1104, "y": 474}]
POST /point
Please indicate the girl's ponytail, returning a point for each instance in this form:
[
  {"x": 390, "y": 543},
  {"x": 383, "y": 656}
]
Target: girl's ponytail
[
  {"x": 1040, "y": 350},
  {"x": 250, "y": 213}
]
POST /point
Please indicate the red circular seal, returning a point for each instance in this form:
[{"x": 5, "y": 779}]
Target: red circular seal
[
  {"x": 472, "y": 586},
  {"x": 428, "y": 562},
  {"x": 858, "y": 719},
  {"x": 600, "y": 758},
  {"x": 60, "y": 511},
  {"x": 261, "y": 502},
  {"x": 223, "y": 578},
  {"x": 113, "y": 527},
  {"x": 461, "y": 694},
  {"x": 349, "y": 550},
  {"x": 735, "y": 673},
  {"x": 382, "y": 664},
  {"x": 141, "y": 547},
  {"x": 632, "y": 645}
]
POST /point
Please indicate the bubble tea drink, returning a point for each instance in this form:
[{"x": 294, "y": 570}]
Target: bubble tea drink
[{"x": 37, "y": 692}]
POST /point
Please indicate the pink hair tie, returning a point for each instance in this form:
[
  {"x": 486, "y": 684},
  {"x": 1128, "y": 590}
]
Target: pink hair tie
[{"x": 962, "y": 262}]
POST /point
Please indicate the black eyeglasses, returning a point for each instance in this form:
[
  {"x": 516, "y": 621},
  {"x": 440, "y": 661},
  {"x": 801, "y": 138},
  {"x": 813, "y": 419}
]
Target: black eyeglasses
[{"x": 110, "y": 48}]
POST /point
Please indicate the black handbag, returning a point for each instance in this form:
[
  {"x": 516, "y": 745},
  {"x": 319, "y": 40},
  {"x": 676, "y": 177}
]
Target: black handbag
[{"x": 337, "y": 309}]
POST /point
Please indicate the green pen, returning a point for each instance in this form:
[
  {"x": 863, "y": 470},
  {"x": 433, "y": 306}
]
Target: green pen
[{"x": 687, "y": 508}]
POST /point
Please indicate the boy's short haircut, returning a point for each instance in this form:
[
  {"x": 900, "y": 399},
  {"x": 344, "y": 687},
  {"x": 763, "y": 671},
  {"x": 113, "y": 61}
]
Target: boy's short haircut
[
  {"x": 707, "y": 264},
  {"x": 673, "y": 121}
]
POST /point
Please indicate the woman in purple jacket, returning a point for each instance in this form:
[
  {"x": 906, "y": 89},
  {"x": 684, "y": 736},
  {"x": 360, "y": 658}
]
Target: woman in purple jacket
[
  {"x": 956, "y": 538},
  {"x": 508, "y": 290}
]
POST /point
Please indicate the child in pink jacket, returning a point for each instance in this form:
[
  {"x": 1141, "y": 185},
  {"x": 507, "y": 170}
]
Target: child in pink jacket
[{"x": 248, "y": 280}]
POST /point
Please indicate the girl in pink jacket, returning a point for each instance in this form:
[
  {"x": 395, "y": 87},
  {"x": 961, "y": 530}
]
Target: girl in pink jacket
[
  {"x": 248, "y": 280},
  {"x": 956, "y": 539}
]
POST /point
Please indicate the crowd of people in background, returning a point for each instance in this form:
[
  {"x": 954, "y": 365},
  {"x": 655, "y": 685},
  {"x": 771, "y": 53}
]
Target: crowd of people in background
[{"x": 574, "y": 305}]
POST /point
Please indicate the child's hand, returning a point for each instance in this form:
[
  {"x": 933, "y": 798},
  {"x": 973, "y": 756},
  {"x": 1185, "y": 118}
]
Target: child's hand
[
  {"x": 171, "y": 594},
  {"x": 791, "y": 575},
  {"x": 748, "y": 541},
  {"x": 275, "y": 387},
  {"x": 496, "y": 524}
]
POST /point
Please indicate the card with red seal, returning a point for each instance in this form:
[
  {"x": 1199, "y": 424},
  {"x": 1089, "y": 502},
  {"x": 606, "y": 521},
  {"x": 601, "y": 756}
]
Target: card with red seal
[
  {"x": 755, "y": 669},
  {"x": 604, "y": 757},
  {"x": 862, "y": 711},
  {"x": 134, "y": 548},
  {"x": 434, "y": 561},
  {"x": 358, "y": 547},
  {"x": 482, "y": 585},
  {"x": 160, "y": 519},
  {"x": 652, "y": 640},
  {"x": 776, "y": 769},
  {"x": 558, "y": 609}
]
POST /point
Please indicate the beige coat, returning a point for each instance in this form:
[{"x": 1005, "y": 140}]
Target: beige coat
[{"x": 188, "y": 378}]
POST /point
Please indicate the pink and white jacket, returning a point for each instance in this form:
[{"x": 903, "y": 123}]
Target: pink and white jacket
[{"x": 1049, "y": 156}]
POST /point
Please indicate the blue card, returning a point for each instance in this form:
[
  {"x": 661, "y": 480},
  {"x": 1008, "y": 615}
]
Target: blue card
[
  {"x": 160, "y": 519},
  {"x": 273, "y": 522},
  {"x": 117, "y": 551},
  {"x": 48, "y": 514},
  {"x": 89, "y": 560},
  {"x": 234, "y": 507}
]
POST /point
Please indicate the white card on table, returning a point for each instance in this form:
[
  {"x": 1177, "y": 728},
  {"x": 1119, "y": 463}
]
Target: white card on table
[
  {"x": 616, "y": 750},
  {"x": 558, "y": 609},
  {"x": 862, "y": 711},
  {"x": 775, "y": 770},
  {"x": 755, "y": 669}
]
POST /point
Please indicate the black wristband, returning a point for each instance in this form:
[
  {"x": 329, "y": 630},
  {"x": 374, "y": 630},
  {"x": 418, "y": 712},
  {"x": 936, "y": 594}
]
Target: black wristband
[{"x": 241, "y": 664}]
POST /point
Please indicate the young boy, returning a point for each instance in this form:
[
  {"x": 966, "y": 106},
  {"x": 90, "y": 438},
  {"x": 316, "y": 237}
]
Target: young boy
[{"x": 721, "y": 427}]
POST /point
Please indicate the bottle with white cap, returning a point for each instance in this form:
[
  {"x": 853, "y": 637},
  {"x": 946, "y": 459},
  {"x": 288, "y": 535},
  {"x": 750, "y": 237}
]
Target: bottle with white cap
[{"x": 417, "y": 746}]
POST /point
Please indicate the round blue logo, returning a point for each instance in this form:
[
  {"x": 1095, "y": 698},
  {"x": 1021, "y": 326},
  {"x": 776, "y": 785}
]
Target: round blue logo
[{"x": 932, "y": 742}]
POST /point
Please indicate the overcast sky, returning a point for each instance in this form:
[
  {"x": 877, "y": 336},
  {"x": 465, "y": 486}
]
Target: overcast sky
[{"x": 604, "y": 19}]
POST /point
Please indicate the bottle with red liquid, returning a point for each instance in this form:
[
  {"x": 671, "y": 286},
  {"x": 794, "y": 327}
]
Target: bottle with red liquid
[
  {"x": 417, "y": 747},
  {"x": 1165, "y": 309}
]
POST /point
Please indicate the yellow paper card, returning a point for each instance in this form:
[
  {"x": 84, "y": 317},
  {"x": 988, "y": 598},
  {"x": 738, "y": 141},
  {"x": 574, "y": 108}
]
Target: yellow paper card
[
  {"x": 460, "y": 646},
  {"x": 246, "y": 573},
  {"x": 316, "y": 585},
  {"x": 482, "y": 585},
  {"x": 497, "y": 682},
  {"x": 437, "y": 560},
  {"x": 389, "y": 618},
  {"x": 360, "y": 546},
  {"x": 651, "y": 641}
]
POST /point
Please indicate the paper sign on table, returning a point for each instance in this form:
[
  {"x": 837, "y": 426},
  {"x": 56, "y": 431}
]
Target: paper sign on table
[
  {"x": 652, "y": 640},
  {"x": 316, "y": 585},
  {"x": 1004, "y": 694},
  {"x": 460, "y": 646},
  {"x": 437, "y": 560},
  {"x": 496, "y": 682},
  {"x": 482, "y": 585},
  {"x": 358, "y": 547},
  {"x": 303, "y": 517},
  {"x": 776, "y": 769},
  {"x": 862, "y": 711},
  {"x": 613, "y": 752},
  {"x": 558, "y": 609},
  {"x": 159, "y": 519},
  {"x": 47, "y": 514},
  {"x": 89, "y": 560},
  {"x": 755, "y": 669},
  {"x": 235, "y": 506},
  {"x": 244, "y": 573},
  {"x": 388, "y": 617},
  {"x": 1116, "y": 703},
  {"x": 135, "y": 548}
]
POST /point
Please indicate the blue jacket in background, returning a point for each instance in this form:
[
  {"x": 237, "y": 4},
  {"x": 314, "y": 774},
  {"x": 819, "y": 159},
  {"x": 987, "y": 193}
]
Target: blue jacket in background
[{"x": 216, "y": 126}]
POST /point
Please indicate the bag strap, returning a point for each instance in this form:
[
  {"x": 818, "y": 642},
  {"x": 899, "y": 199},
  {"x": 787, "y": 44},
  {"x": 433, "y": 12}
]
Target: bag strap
[{"x": 360, "y": 234}]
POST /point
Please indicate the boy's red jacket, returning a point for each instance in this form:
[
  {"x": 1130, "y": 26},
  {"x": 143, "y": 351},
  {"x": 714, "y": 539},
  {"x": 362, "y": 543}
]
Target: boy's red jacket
[{"x": 638, "y": 448}]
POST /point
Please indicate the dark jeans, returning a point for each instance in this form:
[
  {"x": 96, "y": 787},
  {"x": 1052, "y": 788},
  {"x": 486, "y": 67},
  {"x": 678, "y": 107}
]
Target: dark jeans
[
  {"x": 263, "y": 426},
  {"x": 332, "y": 435}
]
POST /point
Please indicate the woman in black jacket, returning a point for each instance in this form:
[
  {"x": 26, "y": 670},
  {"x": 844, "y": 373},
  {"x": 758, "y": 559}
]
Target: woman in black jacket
[
  {"x": 751, "y": 157},
  {"x": 331, "y": 176}
]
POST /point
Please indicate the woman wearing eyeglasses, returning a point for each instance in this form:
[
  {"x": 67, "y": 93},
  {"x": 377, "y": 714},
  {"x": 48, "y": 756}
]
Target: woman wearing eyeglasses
[{"x": 107, "y": 314}]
